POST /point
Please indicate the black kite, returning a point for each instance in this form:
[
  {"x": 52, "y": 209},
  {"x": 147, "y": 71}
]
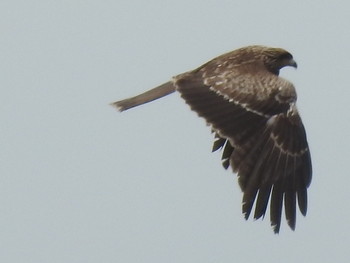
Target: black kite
[{"x": 253, "y": 113}]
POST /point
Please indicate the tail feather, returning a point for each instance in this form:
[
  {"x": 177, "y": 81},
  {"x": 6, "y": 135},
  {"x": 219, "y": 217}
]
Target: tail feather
[{"x": 148, "y": 96}]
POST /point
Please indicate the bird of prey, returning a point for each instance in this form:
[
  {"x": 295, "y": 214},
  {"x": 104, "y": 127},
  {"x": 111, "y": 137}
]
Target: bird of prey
[{"x": 253, "y": 113}]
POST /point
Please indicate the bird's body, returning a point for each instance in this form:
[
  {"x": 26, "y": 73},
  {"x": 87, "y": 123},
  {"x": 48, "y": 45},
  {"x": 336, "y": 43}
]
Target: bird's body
[{"x": 253, "y": 114}]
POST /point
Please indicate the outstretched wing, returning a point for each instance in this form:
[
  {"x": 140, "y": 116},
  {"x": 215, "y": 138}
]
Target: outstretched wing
[
  {"x": 253, "y": 113},
  {"x": 277, "y": 163}
]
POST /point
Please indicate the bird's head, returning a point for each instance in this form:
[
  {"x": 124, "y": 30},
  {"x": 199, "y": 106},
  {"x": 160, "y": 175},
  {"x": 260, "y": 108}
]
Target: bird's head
[{"x": 277, "y": 58}]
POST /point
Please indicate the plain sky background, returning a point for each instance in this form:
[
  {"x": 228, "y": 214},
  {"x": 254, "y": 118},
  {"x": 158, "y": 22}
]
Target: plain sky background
[{"x": 80, "y": 182}]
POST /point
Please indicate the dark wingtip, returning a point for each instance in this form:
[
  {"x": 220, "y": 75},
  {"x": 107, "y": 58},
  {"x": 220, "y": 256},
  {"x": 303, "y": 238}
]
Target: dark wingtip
[
  {"x": 218, "y": 143},
  {"x": 226, "y": 163},
  {"x": 291, "y": 224},
  {"x": 276, "y": 230}
]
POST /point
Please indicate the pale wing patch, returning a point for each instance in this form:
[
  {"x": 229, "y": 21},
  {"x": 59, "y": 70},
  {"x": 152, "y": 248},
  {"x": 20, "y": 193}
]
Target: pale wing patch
[{"x": 237, "y": 102}]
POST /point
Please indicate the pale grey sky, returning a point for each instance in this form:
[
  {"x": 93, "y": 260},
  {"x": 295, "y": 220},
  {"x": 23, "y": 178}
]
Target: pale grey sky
[{"x": 80, "y": 182}]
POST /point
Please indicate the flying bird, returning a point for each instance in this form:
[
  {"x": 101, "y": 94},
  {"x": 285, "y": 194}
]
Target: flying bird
[{"x": 253, "y": 114}]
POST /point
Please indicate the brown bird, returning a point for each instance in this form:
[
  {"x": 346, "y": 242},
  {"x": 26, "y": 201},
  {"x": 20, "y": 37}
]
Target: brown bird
[{"x": 253, "y": 113}]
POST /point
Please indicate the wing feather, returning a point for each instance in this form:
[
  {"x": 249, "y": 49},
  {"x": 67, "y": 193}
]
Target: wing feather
[{"x": 257, "y": 125}]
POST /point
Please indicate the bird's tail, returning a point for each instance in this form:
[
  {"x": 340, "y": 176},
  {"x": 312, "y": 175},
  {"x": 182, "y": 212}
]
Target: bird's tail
[{"x": 145, "y": 97}]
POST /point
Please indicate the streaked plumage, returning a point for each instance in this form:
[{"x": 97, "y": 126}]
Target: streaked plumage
[{"x": 253, "y": 114}]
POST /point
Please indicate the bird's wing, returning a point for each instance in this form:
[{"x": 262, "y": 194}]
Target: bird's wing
[
  {"x": 255, "y": 111},
  {"x": 277, "y": 163}
]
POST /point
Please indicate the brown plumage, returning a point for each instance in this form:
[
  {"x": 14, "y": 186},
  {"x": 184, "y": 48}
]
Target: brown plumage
[{"x": 253, "y": 114}]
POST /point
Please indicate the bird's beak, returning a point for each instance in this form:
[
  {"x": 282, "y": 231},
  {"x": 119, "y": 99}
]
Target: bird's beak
[{"x": 292, "y": 63}]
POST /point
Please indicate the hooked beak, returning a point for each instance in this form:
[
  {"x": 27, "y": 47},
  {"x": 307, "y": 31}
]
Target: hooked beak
[{"x": 292, "y": 63}]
